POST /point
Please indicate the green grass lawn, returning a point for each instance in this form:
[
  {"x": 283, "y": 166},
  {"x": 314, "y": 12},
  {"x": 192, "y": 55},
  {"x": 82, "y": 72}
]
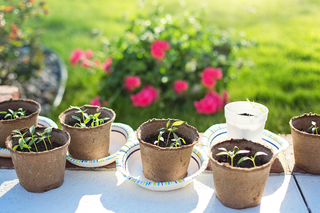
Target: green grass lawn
[{"x": 284, "y": 75}]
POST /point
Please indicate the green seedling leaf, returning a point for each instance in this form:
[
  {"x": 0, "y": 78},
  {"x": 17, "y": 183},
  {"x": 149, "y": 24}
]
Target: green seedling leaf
[
  {"x": 177, "y": 123},
  {"x": 168, "y": 123},
  {"x": 77, "y": 118},
  {"x": 32, "y": 129},
  {"x": 15, "y": 147},
  {"x": 3, "y": 112}
]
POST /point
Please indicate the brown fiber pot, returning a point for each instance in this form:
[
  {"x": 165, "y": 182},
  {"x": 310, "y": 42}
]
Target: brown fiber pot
[
  {"x": 41, "y": 171},
  {"x": 237, "y": 187},
  {"x": 306, "y": 145},
  {"x": 6, "y": 126},
  {"x": 162, "y": 164},
  {"x": 88, "y": 143}
]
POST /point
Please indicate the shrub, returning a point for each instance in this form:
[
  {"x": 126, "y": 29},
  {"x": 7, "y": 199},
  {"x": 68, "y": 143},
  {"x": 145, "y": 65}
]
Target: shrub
[{"x": 168, "y": 58}]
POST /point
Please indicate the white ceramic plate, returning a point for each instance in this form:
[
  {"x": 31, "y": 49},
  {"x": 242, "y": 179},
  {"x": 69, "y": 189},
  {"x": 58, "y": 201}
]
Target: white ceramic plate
[
  {"x": 130, "y": 166},
  {"x": 42, "y": 121},
  {"x": 218, "y": 132},
  {"x": 120, "y": 135}
]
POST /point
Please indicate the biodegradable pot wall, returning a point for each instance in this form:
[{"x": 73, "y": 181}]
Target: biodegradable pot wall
[
  {"x": 41, "y": 171},
  {"x": 88, "y": 143},
  {"x": 237, "y": 187},
  {"x": 306, "y": 145},
  {"x": 248, "y": 127},
  {"x": 7, "y": 126},
  {"x": 162, "y": 164}
]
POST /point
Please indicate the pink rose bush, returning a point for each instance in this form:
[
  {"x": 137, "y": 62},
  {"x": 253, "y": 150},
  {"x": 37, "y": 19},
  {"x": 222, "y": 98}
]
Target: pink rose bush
[{"x": 161, "y": 60}]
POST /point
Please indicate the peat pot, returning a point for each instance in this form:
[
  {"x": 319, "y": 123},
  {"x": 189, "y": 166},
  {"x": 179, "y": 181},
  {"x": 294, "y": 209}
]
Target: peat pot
[
  {"x": 41, "y": 171},
  {"x": 32, "y": 109},
  {"x": 162, "y": 164},
  {"x": 306, "y": 145},
  {"x": 243, "y": 126},
  {"x": 238, "y": 187},
  {"x": 89, "y": 143}
]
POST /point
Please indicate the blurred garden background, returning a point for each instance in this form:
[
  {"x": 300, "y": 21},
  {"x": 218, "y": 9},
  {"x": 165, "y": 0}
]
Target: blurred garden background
[{"x": 274, "y": 58}]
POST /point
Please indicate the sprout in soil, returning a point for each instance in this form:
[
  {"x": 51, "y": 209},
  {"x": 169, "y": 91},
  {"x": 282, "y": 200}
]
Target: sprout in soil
[
  {"x": 95, "y": 120},
  {"x": 254, "y": 104},
  {"x": 14, "y": 114},
  {"x": 313, "y": 127},
  {"x": 232, "y": 153},
  {"x": 33, "y": 140},
  {"x": 252, "y": 158},
  {"x": 177, "y": 141}
]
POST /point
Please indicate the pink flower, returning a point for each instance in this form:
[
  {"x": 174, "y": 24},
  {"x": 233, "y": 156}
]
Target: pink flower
[
  {"x": 158, "y": 49},
  {"x": 132, "y": 82},
  {"x": 180, "y": 86},
  {"x": 76, "y": 56},
  {"x": 210, "y": 75},
  {"x": 145, "y": 97},
  {"x": 106, "y": 66},
  {"x": 88, "y": 54},
  {"x": 95, "y": 101},
  {"x": 210, "y": 104}
]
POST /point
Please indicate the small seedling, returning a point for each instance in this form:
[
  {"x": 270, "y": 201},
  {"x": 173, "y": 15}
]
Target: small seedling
[
  {"x": 27, "y": 142},
  {"x": 95, "y": 120},
  {"x": 313, "y": 127},
  {"x": 254, "y": 104},
  {"x": 42, "y": 136},
  {"x": 232, "y": 153},
  {"x": 14, "y": 114},
  {"x": 22, "y": 141},
  {"x": 252, "y": 158},
  {"x": 177, "y": 141}
]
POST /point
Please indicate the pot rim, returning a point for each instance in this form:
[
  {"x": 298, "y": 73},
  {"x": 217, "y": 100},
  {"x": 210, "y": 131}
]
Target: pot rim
[
  {"x": 12, "y": 151},
  {"x": 226, "y": 166},
  {"x": 90, "y": 127},
  {"x": 300, "y": 117},
  {"x": 20, "y": 100},
  {"x": 168, "y": 148}
]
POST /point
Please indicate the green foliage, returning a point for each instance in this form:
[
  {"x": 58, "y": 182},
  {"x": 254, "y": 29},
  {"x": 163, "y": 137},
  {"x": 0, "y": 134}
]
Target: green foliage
[
  {"x": 92, "y": 120},
  {"x": 177, "y": 141},
  {"x": 283, "y": 68},
  {"x": 194, "y": 46},
  {"x": 14, "y": 114},
  {"x": 232, "y": 153},
  {"x": 36, "y": 137},
  {"x": 16, "y": 61},
  {"x": 252, "y": 158}
]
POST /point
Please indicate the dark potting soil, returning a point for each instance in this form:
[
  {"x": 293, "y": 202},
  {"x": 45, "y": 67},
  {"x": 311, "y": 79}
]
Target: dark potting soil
[
  {"x": 41, "y": 147},
  {"x": 15, "y": 110},
  {"x": 246, "y": 114},
  {"x": 259, "y": 160},
  {"x": 151, "y": 139}
]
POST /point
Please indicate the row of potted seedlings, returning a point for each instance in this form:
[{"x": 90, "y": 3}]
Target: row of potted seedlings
[{"x": 239, "y": 165}]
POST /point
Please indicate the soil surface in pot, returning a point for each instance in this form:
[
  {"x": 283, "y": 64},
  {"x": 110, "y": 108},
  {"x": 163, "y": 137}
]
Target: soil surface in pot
[
  {"x": 259, "y": 160},
  {"x": 15, "y": 110},
  {"x": 151, "y": 139}
]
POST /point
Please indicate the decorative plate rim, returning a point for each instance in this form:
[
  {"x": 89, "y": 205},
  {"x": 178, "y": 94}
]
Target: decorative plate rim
[
  {"x": 148, "y": 184},
  {"x": 40, "y": 117},
  {"x": 131, "y": 137},
  {"x": 217, "y": 127}
]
